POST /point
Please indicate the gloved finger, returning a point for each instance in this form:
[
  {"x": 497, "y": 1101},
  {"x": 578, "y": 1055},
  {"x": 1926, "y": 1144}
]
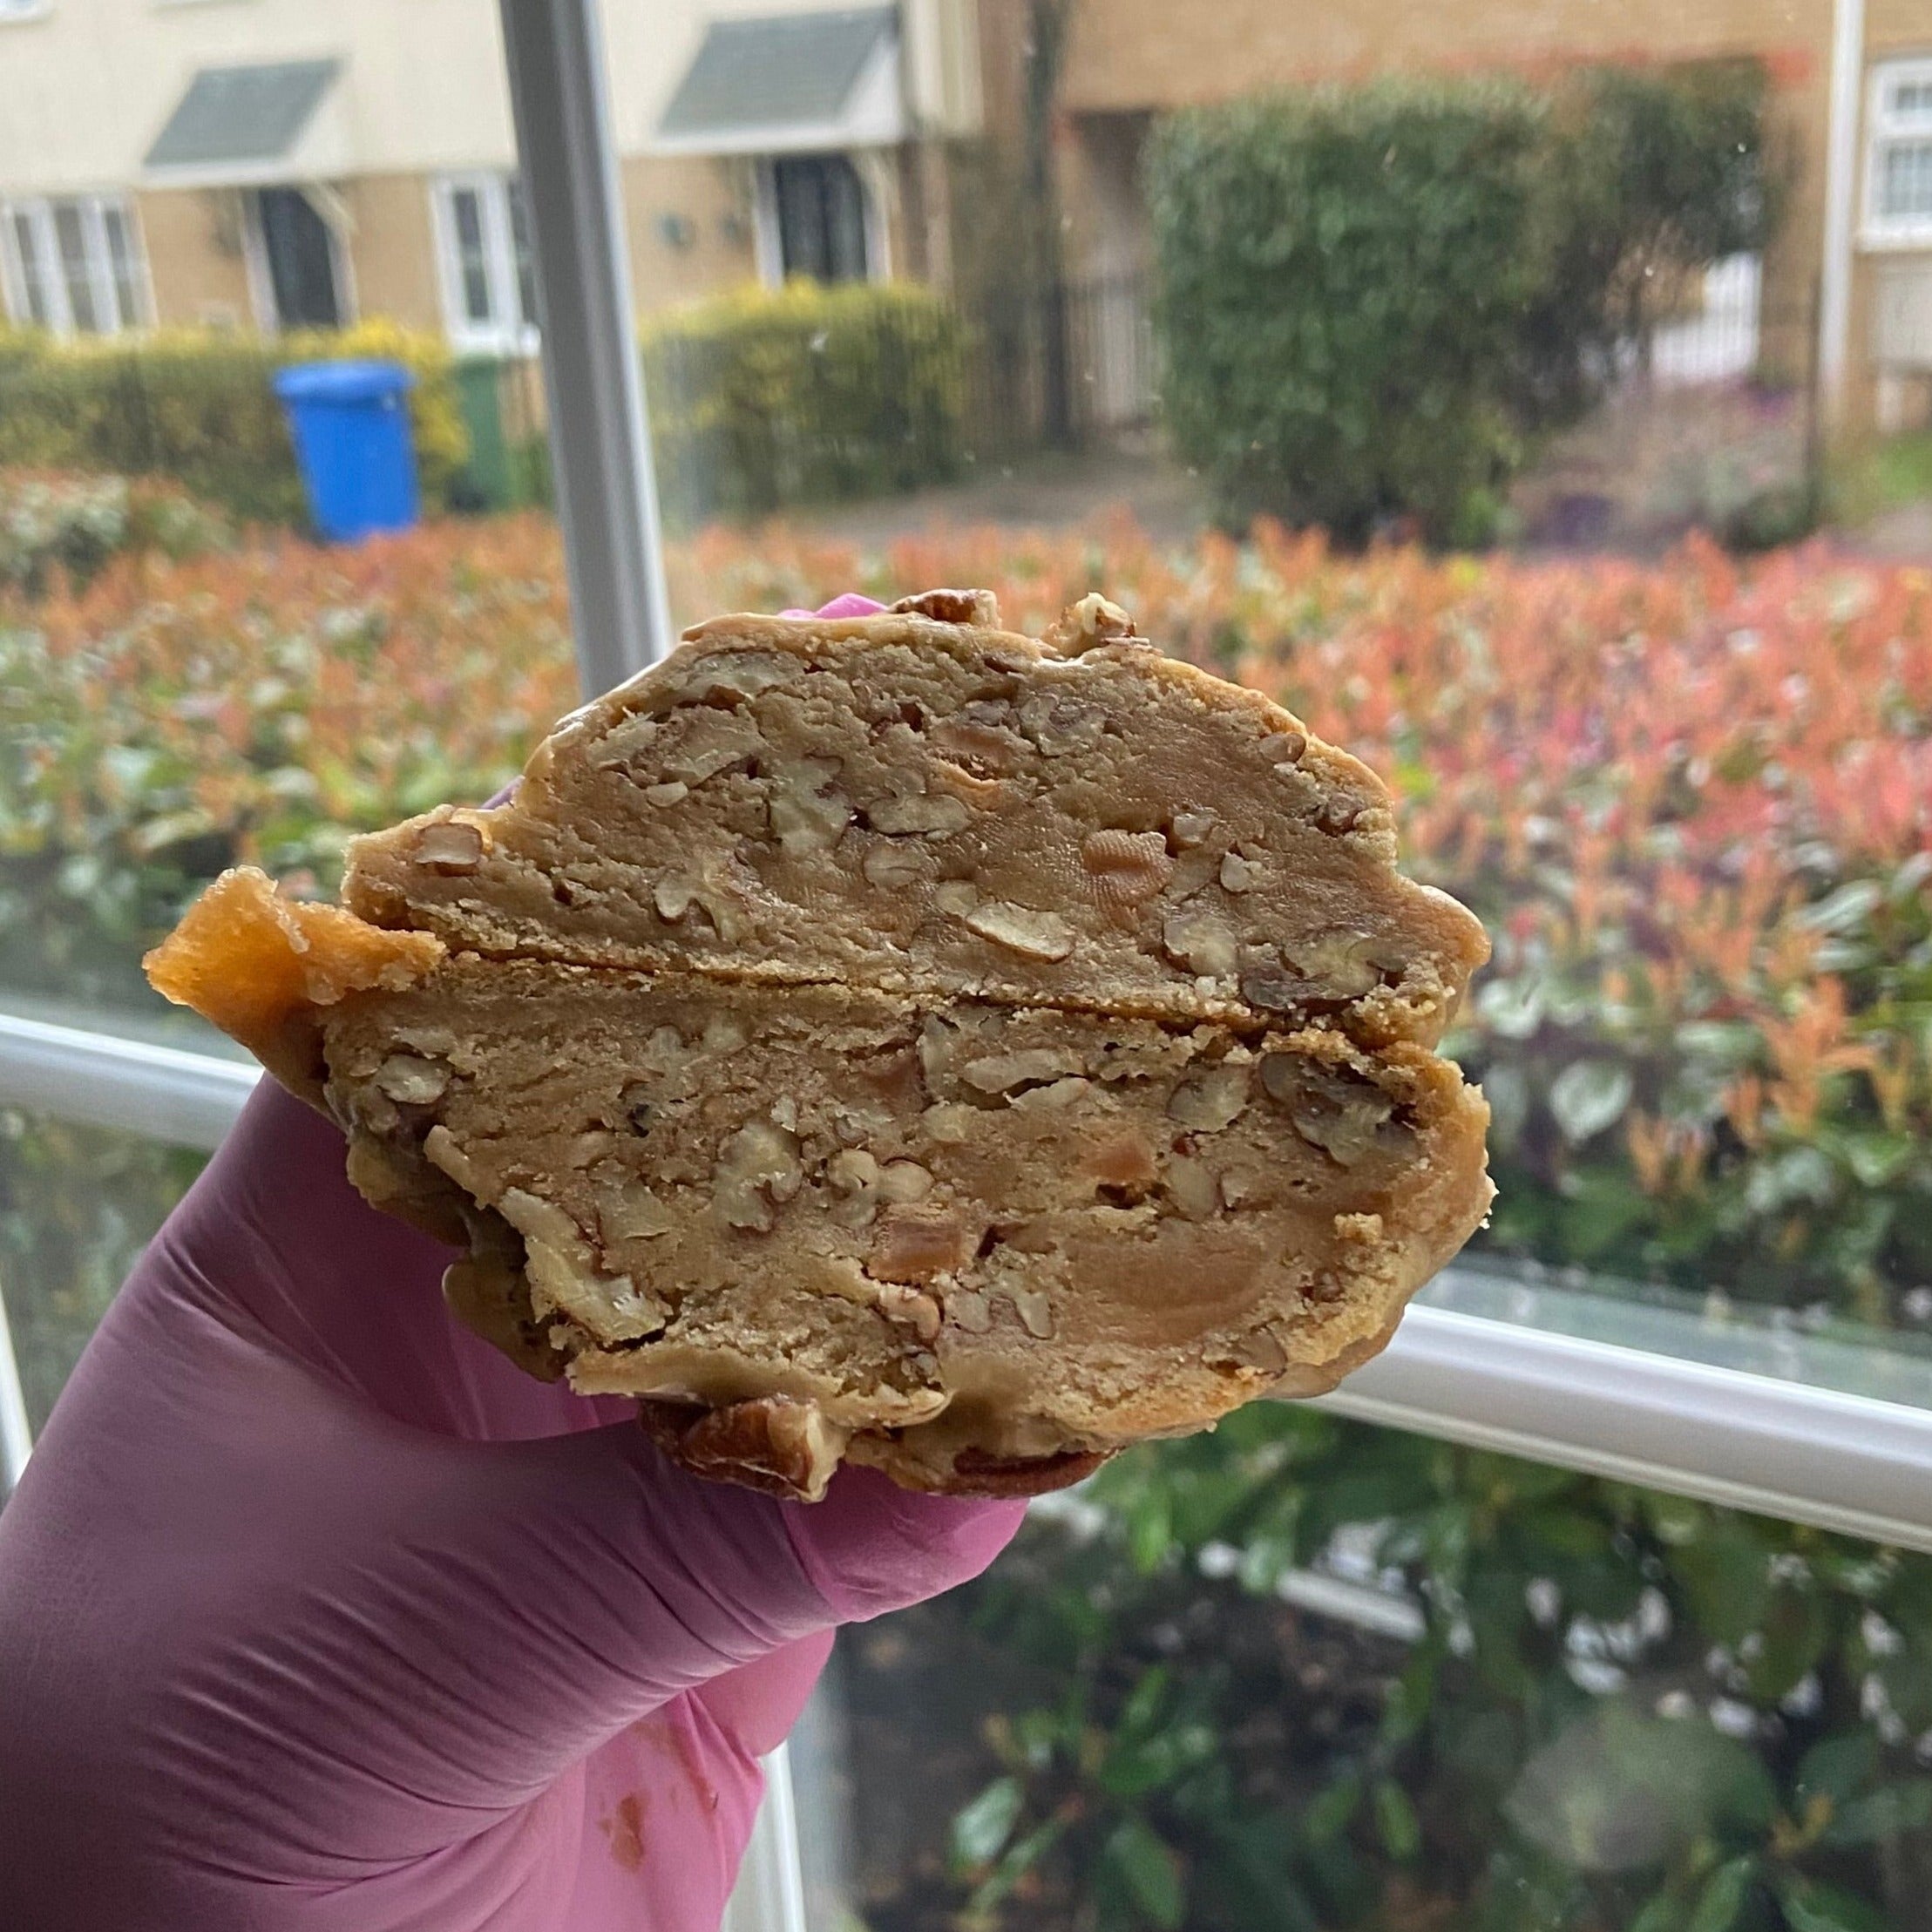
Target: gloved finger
[
  {"x": 475, "y": 1616},
  {"x": 757, "y": 1703},
  {"x": 594, "y": 1582},
  {"x": 871, "y": 1546},
  {"x": 667, "y": 1808},
  {"x": 850, "y": 604},
  {"x": 273, "y": 1231}
]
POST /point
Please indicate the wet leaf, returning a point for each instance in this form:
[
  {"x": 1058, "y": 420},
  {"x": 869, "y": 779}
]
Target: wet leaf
[
  {"x": 1811, "y": 1907},
  {"x": 1893, "y": 1812},
  {"x": 1396, "y": 1823},
  {"x": 1587, "y": 1096},
  {"x": 1722, "y": 1899},
  {"x": 981, "y": 1828},
  {"x": 1149, "y": 1870}
]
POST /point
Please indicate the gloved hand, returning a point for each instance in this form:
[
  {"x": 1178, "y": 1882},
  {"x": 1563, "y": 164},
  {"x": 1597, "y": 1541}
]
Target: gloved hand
[{"x": 317, "y": 1614}]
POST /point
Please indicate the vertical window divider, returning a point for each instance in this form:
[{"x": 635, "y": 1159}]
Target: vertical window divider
[
  {"x": 606, "y": 495},
  {"x": 100, "y": 266},
  {"x": 601, "y": 456}
]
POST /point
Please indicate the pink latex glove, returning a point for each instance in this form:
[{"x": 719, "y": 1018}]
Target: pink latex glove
[{"x": 316, "y": 1614}]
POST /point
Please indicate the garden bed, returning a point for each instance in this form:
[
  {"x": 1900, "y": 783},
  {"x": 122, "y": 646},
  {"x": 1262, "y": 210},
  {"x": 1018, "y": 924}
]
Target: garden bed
[{"x": 1692, "y": 800}]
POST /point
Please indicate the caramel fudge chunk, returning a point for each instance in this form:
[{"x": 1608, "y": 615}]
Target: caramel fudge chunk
[
  {"x": 927, "y": 807},
  {"x": 894, "y": 1040},
  {"x": 1005, "y": 1234}
]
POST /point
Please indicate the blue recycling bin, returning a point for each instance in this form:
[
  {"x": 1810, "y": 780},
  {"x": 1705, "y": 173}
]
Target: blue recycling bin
[{"x": 351, "y": 425}]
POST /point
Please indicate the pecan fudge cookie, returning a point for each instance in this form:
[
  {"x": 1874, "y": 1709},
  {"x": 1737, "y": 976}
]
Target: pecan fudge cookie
[
  {"x": 875, "y": 1040},
  {"x": 917, "y": 805}
]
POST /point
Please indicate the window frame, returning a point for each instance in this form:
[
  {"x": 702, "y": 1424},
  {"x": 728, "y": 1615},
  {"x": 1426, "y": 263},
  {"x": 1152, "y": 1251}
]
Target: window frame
[
  {"x": 261, "y": 277},
  {"x": 1884, "y": 129},
  {"x": 41, "y": 213},
  {"x": 1794, "y": 1449},
  {"x": 509, "y": 332},
  {"x": 768, "y": 238}
]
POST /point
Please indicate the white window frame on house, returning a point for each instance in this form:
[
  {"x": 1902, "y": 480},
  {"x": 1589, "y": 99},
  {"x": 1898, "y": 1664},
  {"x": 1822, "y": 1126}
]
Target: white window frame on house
[
  {"x": 1887, "y": 129},
  {"x": 94, "y": 216},
  {"x": 332, "y": 212},
  {"x": 508, "y": 331},
  {"x": 767, "y": 246}
]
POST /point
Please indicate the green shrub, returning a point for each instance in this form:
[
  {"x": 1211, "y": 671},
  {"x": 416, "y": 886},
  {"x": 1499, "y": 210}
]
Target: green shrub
[
  {"x": 77, "y": 1206},
  {"x": 1371, "y": 298},
  {"x": 1340, "y": 275},
  {"x": 761, "y": 400},
  {"x": 1647, "y": 179},
  {"x": 1622, "y": 1711},
  {"x": 200, "y": 408},
  {"x": 50, "y": 522}
]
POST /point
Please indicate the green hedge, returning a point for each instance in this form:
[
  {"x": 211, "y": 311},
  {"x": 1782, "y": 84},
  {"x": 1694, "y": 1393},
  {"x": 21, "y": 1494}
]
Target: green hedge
[
  {"x": 199, "y": 407},
  {"x": 761, "y": 400},
  {"x": 1371, "y": 297},
  {"x": 74, "y": 525},
  {"x": 1340, "y": 275}
]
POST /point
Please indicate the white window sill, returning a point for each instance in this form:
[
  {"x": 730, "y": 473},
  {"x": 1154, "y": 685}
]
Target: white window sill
[
  {"x": 518, "y": 343},
  {"x": 1916, "y": 239}
]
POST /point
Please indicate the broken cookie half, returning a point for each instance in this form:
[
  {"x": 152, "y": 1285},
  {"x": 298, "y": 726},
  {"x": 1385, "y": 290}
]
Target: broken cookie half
[{"x": 898, "y": 1040}]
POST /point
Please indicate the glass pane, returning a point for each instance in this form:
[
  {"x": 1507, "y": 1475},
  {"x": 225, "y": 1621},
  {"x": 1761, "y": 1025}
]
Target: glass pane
[
  {"x": 525, "y": 265},
  {"x": 71, "y": 236},
  {"x": 121, "y": 263},
  {"x": 1191, "y": 323},
  {"x": 821, "y": 211},
  {"x": 473, "y": 261},
  {"x": 33, "y": 272},
  {"x": 1905, "y": 187},
  {"x": 1911, "y": 99},
  {"x": 77, "y": 1206},
  {"x": 1307, "y": 1674},
  {"x": 174, "y": 644},
  {"x": 302, "y": 260}
]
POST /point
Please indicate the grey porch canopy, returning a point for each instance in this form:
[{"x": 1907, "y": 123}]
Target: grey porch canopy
[
  {"x": 789, "y": 82},
  {"x": 237, "y": 121}
]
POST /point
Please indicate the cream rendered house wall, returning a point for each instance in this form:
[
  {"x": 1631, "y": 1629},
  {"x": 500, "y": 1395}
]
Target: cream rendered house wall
[{"x": 85, "y": 86}]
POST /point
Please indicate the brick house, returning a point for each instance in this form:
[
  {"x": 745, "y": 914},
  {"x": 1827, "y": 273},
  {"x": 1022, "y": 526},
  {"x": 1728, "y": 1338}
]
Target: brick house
[
  {"x": 1853, "y": 83},
  {"x": 270, "y": 164},
  {"x": 266, "y": 163}
]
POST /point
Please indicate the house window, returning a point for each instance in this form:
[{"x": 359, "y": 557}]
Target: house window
[
  {"x": 298, "y": 260},
  {"x": 74, "y": 265},
  {"x": 814, "y": 218},
  {"x": 1898, "y": 186},
  {"x": 483, "y": 244}
]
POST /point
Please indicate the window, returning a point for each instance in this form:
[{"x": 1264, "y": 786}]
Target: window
[
  {"x": 816, "y": 211},
  {"x": 22, "y": 9},
  {"x": 298, "y": 260},
  {"x": 489, "y": 284},
  {"x": 1408, "y": 1656},
  {"x": 1898, "y": 187},
  {"x": 74, "y": 265}
]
